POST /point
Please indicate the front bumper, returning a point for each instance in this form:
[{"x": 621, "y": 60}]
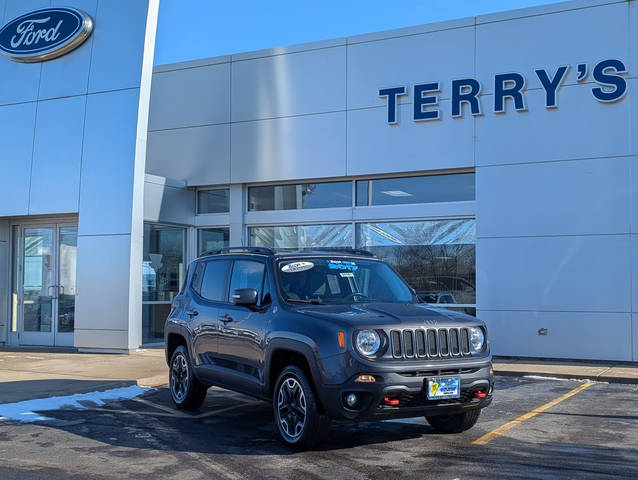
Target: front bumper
[{"x": 410, "y": 389}]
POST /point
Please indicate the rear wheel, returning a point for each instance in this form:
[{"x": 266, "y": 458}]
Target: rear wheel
[
  {"x": 456, "y": 423},
  {"x": 299, "y": 423},
  {"x": 186, "y": 391}
]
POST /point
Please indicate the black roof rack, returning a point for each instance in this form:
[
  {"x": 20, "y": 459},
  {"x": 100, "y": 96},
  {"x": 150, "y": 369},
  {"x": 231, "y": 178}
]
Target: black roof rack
[
  {"x": 258, "y": 250},
  {"x": 352, "y": 251}
]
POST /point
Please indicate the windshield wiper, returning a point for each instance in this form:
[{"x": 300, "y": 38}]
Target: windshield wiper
[{"x": 303, "y": 300}]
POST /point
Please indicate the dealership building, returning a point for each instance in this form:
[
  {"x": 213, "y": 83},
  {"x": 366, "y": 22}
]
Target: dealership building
[{"x": 489, "y": 159}]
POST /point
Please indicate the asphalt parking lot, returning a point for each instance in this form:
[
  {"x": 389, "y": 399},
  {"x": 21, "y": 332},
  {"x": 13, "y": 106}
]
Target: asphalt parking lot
[{"x": 588, "y": 431}]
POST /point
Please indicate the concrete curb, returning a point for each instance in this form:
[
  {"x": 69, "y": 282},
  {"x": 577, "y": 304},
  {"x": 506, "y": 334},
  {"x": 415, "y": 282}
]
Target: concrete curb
[{"x": 602, "y": 377}]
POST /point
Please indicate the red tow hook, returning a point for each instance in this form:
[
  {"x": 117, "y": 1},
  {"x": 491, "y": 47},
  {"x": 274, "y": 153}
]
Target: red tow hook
[
  {"x": 480, "y": 394},
  {"x": 393, "y": 402}
]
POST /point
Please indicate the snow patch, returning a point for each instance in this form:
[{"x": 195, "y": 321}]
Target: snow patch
[{"x": 25, "y": 411}]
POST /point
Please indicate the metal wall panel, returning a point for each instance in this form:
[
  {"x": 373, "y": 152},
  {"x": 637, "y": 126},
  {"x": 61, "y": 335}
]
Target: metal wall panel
[
  {"x": 581, "y": 127},
  {"x": 405, "y": 61},
  {"x": 16, "y": 149},
  {"x": 108, "y": 163},
  {"x": 311, "y": 146},
  {"x": 116, "y": 61},
  {"x": 376, "y": 147},
  {"x": 57, "y": 156},
  {"x": 580, "y": 197},
  {"x": 583, "y": 335},
  {"x": 163, "y": 203},
  {"x": 565, "y": 273},
  {"x": 198, "y": 96},
  {"x": 548, "y": 41},
  {"x": 101, "y": 300},
  {"x": 5, "y": 269},
  {"x": 198, "y": 155},
  {"x": 634, "y": 319},
  {"x": 69, "y": 75},
  {"x": 294, "y": 84}
]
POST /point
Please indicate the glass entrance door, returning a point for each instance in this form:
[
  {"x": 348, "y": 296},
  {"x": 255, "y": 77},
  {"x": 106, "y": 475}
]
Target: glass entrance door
[{"x": 48, "y": 256}]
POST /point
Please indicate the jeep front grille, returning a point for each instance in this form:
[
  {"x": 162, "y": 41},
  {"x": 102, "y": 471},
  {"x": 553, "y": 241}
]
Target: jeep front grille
[{"x": 430, "y": 343}]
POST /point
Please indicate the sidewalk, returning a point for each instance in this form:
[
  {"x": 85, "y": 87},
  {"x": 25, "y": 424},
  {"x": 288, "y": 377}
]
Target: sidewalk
[
  {"x": 611, "y": 372},
  {"x": 27, "y": 374}
]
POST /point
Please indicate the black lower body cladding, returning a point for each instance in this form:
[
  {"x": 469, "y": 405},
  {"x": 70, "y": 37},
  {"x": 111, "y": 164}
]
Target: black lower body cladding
[{"x": 405, "y": 394}]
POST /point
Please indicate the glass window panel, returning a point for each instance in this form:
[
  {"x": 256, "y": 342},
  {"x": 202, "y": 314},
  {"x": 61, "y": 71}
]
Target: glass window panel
[
  {"x": 68, "y": 244},
  {"x": 212, "y": 238},
  {"x": 163, "y": 265},
  {"x": 436, "y": 257},
  {"x": 15, "y": 280},
  {"x": 39, "y": 280},
  {"x": 425, "y": 189},
  {"x": 301, "y": 236},
  {"x": 213, "y": 201},
  {"x": 153, "y": 318},
  {"x": 214, "y": 280},
  {"x": 163, "y": 272},
  {"x": 363, "y": 189},
  {"x": 247, "y": 274},
  {"x": 301, "y": 196}
]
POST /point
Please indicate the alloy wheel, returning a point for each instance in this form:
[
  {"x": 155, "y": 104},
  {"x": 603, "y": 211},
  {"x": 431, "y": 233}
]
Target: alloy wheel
[
  {"x": 179, "y": 378},
  {"x": 291, "y": 409}
]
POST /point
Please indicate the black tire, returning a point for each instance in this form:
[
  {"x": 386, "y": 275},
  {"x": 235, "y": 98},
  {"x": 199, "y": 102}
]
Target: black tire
[
  {"x": 186, "y": 392},
  {"x": 456, "y": 423},
  {"x": 292, "y": 392}
]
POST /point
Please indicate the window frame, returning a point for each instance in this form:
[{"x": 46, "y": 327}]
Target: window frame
[{"x": 197, "y": 201}]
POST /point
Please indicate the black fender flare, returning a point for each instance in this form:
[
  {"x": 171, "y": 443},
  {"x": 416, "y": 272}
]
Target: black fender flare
[
  {"x": 182, "y": 331},
  {"x": 297, "y": 346}
]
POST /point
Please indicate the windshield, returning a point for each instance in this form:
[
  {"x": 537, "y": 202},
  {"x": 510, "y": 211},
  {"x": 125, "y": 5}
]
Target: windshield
[{"x": 340, "y": 280}]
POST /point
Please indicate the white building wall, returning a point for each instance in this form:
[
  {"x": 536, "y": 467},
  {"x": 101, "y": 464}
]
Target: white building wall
[
  {"x": 556, "y": 201},
  {"x": 74, "y": 141}
]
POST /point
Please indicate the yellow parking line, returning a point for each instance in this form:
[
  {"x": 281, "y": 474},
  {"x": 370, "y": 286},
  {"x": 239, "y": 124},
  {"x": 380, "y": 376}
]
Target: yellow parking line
[{"x": 488, "y": 437}]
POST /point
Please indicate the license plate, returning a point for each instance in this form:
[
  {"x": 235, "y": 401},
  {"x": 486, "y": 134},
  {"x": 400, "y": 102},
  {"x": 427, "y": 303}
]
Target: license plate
[{"x": 445, "y": 387}]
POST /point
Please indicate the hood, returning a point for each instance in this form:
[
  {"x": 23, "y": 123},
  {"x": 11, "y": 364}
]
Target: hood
[{"x": 388, "y": 315}]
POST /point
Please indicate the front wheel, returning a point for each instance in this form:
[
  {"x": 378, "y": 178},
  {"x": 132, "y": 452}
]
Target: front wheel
[
  {"x": 299, "y": 423},
  {"x": 186, "y": 391},
  {"x": 456, "y": 423}
]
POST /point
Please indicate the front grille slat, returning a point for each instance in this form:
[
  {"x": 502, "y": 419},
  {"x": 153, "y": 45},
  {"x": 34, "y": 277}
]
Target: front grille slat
[{"x": 429, "y": 343}]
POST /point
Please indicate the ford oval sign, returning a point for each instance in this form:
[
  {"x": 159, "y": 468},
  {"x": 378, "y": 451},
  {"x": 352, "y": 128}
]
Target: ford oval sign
[{"x": 44, "y": 34}]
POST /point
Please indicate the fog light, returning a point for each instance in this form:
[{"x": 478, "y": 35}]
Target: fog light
[
  {"x": 351, "y": 399},
  {"x": 366, "y": 379}
]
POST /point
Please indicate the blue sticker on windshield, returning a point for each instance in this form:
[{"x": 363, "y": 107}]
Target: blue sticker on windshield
[{"x": 342, "y": 265}]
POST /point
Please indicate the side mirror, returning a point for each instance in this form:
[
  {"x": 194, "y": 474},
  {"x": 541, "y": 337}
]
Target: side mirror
[{"x": 246, "y": 297}]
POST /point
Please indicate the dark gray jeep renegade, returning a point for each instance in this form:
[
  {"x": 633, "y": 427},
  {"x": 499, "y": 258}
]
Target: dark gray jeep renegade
[{"x": 323, "y": 334}]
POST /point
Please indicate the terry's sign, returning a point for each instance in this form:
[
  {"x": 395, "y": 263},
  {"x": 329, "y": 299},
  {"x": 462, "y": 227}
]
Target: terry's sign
[
  {"x": 44, "y": 34},
  {"x": 608, "y": 76}
]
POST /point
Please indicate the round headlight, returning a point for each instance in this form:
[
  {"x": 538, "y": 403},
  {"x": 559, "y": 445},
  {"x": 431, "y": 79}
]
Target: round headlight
[
  {"x": 477, "y": 339},
  {"x": 368, "y": 342}
]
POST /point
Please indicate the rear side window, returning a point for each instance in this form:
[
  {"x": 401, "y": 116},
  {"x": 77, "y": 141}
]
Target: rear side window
[
  {"x": 248, "y": 274},
  {"x": 213, "y": 282}
]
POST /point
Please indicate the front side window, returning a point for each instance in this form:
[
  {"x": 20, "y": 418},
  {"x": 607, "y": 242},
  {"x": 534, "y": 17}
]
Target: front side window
[
  {"x": 247, "y": 274},
  {"x": 213, "y": 286},
  {"x": 340, "y": 280}
]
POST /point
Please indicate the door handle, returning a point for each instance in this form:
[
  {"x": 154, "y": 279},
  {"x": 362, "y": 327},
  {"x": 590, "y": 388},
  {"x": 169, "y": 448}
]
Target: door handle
[
  {"x": 192, "y": 313},
  {"x": 225, "y": 318}
]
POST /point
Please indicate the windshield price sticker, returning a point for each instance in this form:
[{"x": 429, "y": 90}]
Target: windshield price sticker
[
  {"x": 342, "y": 265},
  {"x": 297, "y": 267}
]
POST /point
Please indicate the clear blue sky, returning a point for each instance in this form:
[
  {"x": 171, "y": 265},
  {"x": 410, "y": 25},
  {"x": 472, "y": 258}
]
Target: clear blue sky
[{"x": 190, "y": 29}]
